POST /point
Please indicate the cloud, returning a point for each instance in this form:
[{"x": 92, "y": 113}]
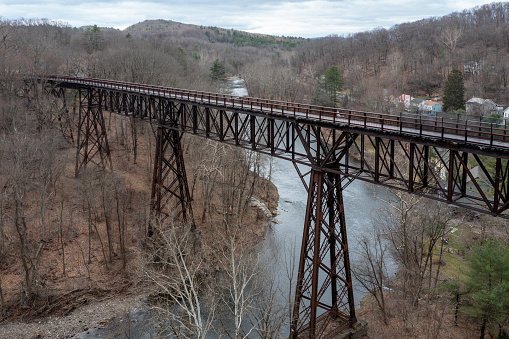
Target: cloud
[{"x": 306, "y": 18}]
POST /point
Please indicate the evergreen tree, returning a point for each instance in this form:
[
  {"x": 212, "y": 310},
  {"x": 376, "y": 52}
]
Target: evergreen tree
[
  {"x": 333, "y": 81},
  {"x": 454, "y": 91},
  {"x": 217, "y": 71},
  {"x": 487, "y": 280},
  {"x": 94, "y": 39},
  {"x": 329, "y": 85}
]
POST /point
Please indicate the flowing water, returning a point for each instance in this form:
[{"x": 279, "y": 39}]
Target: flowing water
[
  {"x": 281, "y": 245},
  {"x": 364, "y": 203}
]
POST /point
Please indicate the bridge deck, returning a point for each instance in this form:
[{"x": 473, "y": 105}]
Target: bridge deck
[
  {"x": 425, "y": 156},
  {"x": 471, "y": 133}
]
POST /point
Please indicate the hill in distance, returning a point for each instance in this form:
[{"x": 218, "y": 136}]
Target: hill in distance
[{"x": 172, "y": 29}]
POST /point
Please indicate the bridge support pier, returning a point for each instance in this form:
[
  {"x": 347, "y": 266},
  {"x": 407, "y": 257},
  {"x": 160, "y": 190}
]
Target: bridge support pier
[
  {"x": 324, "y": 304},
  {"x": 170, "y": 196},
  {"x": 92, "y": 138}
]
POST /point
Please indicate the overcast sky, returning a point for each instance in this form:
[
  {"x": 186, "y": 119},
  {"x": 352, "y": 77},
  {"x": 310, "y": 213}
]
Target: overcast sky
[{"x": 303, "y": 18}]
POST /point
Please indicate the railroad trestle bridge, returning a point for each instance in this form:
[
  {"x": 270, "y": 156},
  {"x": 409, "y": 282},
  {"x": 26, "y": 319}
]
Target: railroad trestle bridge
[{"x": 425, "y": 156}]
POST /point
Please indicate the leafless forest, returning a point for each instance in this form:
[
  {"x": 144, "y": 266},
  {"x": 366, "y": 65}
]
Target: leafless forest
[{"x": 66, "y": 241}]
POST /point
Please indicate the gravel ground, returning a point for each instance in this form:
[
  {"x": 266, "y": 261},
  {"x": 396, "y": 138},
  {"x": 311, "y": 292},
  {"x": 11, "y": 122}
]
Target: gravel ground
[{"x": 112, "y": 318}]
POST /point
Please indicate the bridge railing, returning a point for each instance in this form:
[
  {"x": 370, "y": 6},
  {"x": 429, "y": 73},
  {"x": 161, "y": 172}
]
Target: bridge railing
[{"x": 475, "y": 132}]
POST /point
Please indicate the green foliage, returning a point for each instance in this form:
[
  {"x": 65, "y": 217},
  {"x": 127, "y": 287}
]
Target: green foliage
[
  {"x": 93, "y": 39},
  {"x": 214, "y": 29},
  {"x": 493, "y": 118},
  {"x": 454, "y": 91},
  {"x": 217, "y": 71},
  {"x": 328, "y": 87},
  {"x": 487, "y": 280},
  {"x": 95, "y": 29},
  {"x": 460, "y": 111},
  {"x": 244, "y": 39},
  {"x": 240, "y": 39}
]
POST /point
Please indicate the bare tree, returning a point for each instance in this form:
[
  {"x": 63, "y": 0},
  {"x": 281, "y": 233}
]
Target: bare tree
[
  {"x": 50, "y": 168},
  {"x": 3, "y": 198},
  {"x": 414, "y": 227},
  {"x": 134, "y": 137},
  {"x": 22, "y": 152},
  {"x": 3, "y": 250},
  {"x": 209, "y": 170},
  {"x": 240, "y": 270},
  {"x": 406, "y": 243},
  {"x": 91, "y": 189},
  {"x": 122, "y": 199},
  {"x": 239, "y": 178},
  {"x": 106, "y": 186},
  {"x": 272, "y": 80},
  {"x": 450, "y": 38},
  {"x": 269, "y": 312},
  {"x": 434, "y": 319},
  {"x": 180, "y": 285},
  {"x": 371, "y": 270}
]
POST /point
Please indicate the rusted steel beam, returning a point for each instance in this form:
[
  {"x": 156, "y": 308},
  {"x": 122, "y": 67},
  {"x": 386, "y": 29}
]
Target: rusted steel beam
[
  {"x": 264, "y": 134},
  {"x": 324, "y": 265},
  {"x": 92, "y": 139},
  {"x": 434, "y": 165},
  {"x": 170, "y": 197}
]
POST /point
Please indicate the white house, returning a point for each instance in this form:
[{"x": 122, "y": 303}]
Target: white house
[
  {"x": 416, "y": 104},
  {"x": 405, "y": 99}
]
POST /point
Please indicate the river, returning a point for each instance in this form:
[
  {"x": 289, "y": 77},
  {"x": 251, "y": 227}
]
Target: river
[
  {"x": 363, "y": 204},
  {"x": 281, "y": 245}
]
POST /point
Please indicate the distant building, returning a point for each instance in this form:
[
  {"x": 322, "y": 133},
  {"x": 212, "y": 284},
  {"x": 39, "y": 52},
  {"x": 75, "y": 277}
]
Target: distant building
[
  {"x": 483, "y": 107},
  {"x": 416, "y": 104},
  {"x": 506, "y": 113},
  {"x": 431, "y": 107},
  {"x": 404, "y": 99}
]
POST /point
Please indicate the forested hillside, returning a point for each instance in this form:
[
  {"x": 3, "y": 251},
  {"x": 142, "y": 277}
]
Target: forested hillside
[{"x": 415, "y": 58}]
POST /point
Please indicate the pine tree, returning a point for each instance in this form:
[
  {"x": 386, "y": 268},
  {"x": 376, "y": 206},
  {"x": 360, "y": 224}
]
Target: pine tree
[
  {"x": 217, "y": 71},
  {"x": 487, "y": 280},
  {"x": 333, "y": 82},
  {"x": 94, "y": 39},
  {"x": 454, "y": 91},
  {"x": 328, "y": 86}
]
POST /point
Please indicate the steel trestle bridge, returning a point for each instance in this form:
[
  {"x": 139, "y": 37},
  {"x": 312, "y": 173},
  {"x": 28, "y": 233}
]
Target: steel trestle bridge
[{"x": 430, "y": 157}]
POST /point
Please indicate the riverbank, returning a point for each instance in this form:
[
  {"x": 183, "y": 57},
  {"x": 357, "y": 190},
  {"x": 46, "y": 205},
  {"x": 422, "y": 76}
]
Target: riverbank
[
  {"x": 124, "y": 313},
  {"x": 77, "y": 278},
  {"x": 432, "y": 315},
  {"x": 79, "y": 323}
]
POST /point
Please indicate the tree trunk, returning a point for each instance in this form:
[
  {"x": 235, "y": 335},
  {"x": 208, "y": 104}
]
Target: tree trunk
[
  {"x": 483, "y": 327},
  {"x": 43, "y": 211},
  {"x": 19, "y": 222},
  {"x": 107, "y": 219},
  {"x": 2, "y": 301},
  {"x": 121, "y": 228},
  {"x": 2, "y": 234},
  {"x": 62, "y": 235},
  {"x": 89, "y": 232},
  {"x": 134, "y": 137},
  {"x": 456, "y": 309}
]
